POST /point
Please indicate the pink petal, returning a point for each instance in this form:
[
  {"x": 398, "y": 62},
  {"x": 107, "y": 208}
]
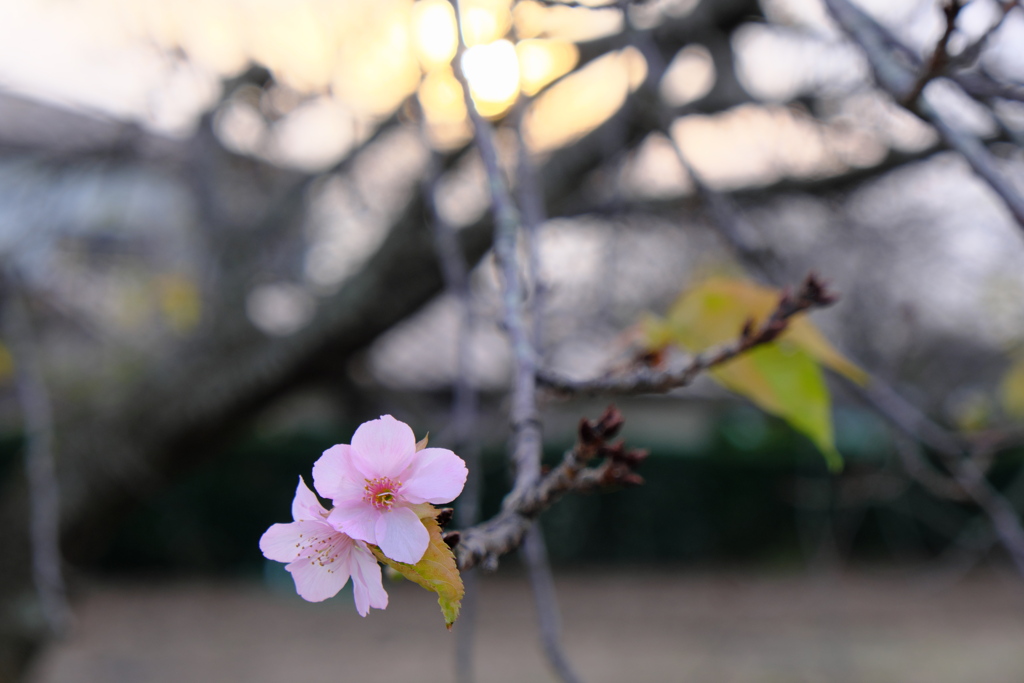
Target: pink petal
[
  {"x": 335, "y": 466},
  {"x": 321, "y": 574},
  {"x": 436, "y": 475},
  {"x": 402, "y": 536},
  {"x": 348, "y": 492},
  {"x": 306, "y": 507},
  {"x": 285, "y": 542},
  {"x": 383, "y": 447},
  {"x": 367, "y": 586},
  {"x": 357, "y": 519}
]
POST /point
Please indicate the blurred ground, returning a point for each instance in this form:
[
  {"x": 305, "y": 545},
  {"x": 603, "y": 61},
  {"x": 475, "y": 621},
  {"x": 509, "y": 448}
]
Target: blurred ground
[{"x": 620, "y": 625}]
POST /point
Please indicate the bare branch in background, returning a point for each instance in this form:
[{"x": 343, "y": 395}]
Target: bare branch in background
[
  {"x": 970, "y": 54},
  {"x": 534, "y": 551},
  {"x": 939, "y": 60},
  {"x": 966, "y": 478},
  {"x": 896, "y": 78},
  {"x": 40, "y": 466},
  {"x": 526, "y": 445},
  {"x": 546, "y": 601},
  {"x": 812, "y": 294}
]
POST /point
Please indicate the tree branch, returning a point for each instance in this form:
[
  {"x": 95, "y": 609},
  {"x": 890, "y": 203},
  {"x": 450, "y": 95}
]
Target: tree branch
[
  {"x": 40, "y": 466},
  {"x": 897, "y": 79},
  {"x": 503, "y": 533},
  {"x": 811, "y": 295}
]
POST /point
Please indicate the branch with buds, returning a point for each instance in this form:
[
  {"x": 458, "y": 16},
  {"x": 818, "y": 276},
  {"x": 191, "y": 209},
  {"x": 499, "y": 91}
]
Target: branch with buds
[
  {"x": 616, "y": 465},
  {"x": 646, "y": 379}
]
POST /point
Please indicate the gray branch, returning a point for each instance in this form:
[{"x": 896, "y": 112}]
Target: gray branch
[
  {"x": 40, "y": 466},
  {"x": 897, "y": 78}
]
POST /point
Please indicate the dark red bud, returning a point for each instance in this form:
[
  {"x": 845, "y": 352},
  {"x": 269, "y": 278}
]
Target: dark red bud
[
  {"x": 587, "y": 434},
  {"x": 444, "y": 517},
  {"x": 452, "y": 538},
  {"x": 616, "y": 451},
  {"x": 610, "y": 422},
  {"x": 635, "y": 456}
]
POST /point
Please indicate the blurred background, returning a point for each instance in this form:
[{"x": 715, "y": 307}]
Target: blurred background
[{"x": 220, "y": 223}]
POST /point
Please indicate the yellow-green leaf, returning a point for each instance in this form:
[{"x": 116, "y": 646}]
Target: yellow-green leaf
[
  {"x": 715, "y": 311},
  {"x": 786, "y": 381},
  {"x": 436, "y": 572},
  {"x": 1012, "y": 389},
  {"x": 6, "y": 363},
  {"x": 179, "y": 301},
  {"x": 784, "y": 377}
]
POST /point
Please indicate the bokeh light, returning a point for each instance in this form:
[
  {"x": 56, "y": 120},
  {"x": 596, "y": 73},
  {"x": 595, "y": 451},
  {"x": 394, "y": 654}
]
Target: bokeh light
[
  {"x": 583, "y": 100},
  {"x": 435, "y": 34},
  {"x": 542, "y": 61},
  {"x": 492, "y": 71}
]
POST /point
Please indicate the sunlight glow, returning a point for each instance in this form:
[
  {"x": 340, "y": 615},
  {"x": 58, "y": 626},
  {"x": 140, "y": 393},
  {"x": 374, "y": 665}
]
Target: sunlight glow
[
  {"x": 295, "y": 42},
  {"x": 434, "y": 33},
  {"x": 758, "y": 144},
  {"x": 377, "y": 67},
  {"x": 583, "y": 100},
  {"x": 493, "y": 74},
  {"x": 444, "y": 108},
  {"x": 542, "y": 61},
  {"x": 484, "y": 21},
  {"x": 533, "y": 20}
]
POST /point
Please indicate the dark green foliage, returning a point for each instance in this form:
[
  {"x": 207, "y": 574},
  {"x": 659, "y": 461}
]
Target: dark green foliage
[
  {"x": 211, "y": 519},
  {"x": 754, "y": 492}
]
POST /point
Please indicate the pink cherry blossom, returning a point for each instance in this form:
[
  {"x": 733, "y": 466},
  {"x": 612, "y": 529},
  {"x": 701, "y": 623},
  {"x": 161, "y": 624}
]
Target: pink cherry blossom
[
  {"x": 376, "y": 481},
  {"x": 321, "y": 558}
]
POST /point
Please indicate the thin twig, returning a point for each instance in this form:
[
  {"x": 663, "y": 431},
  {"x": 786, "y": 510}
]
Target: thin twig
[
  {"x": 970, "y": 54},
  {"x": 534, "y": 552},
  {"x": 964, "y": 471},
  {"x": 526, "y": 436},
  {"x": 980, "y": 159},
  {"x": 44, "y": 500},
  {"x": 898, "y": 80},
  {"x": 546, "y": 602},
  {"x": 940, "y": 57},
  {"x": 812, "y": 294}
]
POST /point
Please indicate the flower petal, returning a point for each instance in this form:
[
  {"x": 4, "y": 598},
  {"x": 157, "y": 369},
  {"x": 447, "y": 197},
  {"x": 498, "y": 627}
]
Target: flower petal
[
  {"x": 402, "y": 536},
  {"x": 367, "y": 584},
  {"x": 383, "y": 447},
  {"x": 320, "y": 575},
  {"x": 356, "y": 518},
  {"x": 306, "y": 506},
  {"x": 285, "y": 542},
  {"x": 334, "y": 467},
  {"x": 436, "y": 475}
]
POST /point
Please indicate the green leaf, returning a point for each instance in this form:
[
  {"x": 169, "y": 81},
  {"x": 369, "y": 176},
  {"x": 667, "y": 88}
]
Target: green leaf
[
  {"x": 786, "y": 381},
  {"x": 784, "y": 377},
  {"x": 714, "y": 312},
  {"x": 436, "y": 572}
]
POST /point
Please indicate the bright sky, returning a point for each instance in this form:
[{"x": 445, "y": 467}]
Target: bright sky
[{"x": 117, "y": 56}]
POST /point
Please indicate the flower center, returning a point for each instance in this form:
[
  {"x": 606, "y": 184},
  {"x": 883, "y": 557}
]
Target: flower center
[{"x": 381, "y": 492}]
